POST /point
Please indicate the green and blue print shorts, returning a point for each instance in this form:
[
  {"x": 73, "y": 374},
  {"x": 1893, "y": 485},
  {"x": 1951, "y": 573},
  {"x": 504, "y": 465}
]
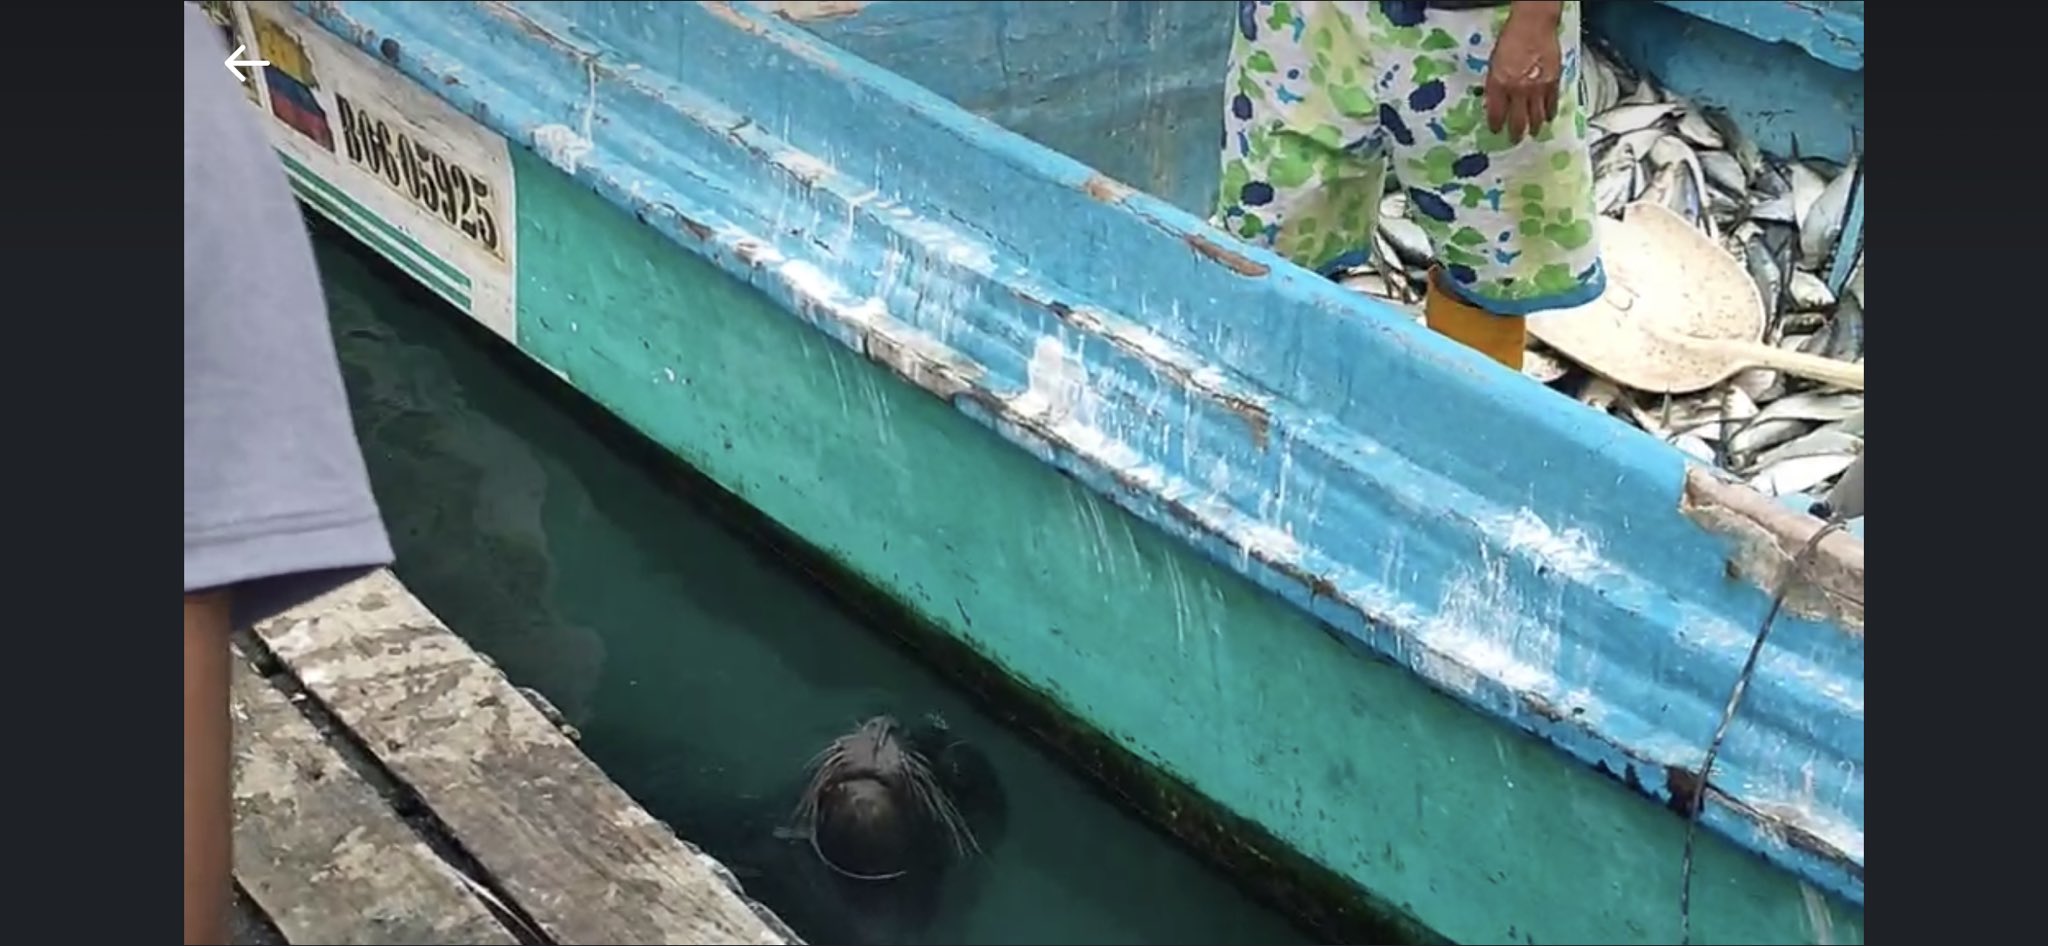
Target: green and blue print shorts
[{"x": 1323, "y": 94}]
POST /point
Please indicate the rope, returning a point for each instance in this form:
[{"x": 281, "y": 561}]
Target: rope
[{"x": 1795, "y": 570}]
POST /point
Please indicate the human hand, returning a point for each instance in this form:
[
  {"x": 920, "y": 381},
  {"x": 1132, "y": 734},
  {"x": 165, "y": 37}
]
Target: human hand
[{"x": 1523, "y": 74}]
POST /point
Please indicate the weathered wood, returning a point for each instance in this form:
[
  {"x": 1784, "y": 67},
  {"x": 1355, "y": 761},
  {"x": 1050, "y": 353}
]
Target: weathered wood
[
  {"x": 1767, "y": 537},
  {"x": 567, "y": 845},
  {"x": 322, "y": 853}
]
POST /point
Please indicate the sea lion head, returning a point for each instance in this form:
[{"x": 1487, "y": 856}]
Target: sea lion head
[{"x": 873, "y": 810}]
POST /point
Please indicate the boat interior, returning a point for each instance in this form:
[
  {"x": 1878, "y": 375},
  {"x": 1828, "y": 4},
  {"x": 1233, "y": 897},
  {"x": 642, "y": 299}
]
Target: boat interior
[{"x": 1134, "y": 88}]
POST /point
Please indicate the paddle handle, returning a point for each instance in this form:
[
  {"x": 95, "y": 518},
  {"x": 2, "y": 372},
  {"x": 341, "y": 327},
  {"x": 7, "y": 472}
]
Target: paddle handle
[{"x": 1848, "y": 374}]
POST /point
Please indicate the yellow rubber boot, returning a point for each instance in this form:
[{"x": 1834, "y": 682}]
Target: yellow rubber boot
[{"x": 1499, "y": 337}]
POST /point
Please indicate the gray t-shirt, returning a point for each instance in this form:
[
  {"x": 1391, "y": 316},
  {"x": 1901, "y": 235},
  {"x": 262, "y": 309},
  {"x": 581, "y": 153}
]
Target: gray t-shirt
[{"x": 277, "y": 503}]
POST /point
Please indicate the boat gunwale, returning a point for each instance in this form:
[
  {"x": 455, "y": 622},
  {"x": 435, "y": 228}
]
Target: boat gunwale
[
  {"x": 1827, "y": 34},
  {"x": 969, "y": 383}
]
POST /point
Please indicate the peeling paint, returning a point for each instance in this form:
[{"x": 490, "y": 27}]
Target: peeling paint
[
  {"x": 1765, "y": 536},
  {"x": 561, "y": 146},
  {"x": 1105, "y": 189},
  {"x": 1230, "y": 259}
]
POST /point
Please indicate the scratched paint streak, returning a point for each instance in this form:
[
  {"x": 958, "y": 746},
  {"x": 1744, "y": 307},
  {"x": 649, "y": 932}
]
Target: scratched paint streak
[
  {"x": 1181, "y": 612},
  {"x": 1819, "y": 919}
]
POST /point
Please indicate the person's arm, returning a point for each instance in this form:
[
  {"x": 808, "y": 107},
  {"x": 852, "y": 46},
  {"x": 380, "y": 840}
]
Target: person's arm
[
  {"x": 277, "y": 503},
  {"x": 208, "y": 811},
  {"x": 1524, "y": 72},
  {"x": 1539, "y": 12}
]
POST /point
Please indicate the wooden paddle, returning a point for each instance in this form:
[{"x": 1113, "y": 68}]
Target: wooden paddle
[
  {"x": 1679, "y": 313},
  {"x": 1734, "y": 356}
]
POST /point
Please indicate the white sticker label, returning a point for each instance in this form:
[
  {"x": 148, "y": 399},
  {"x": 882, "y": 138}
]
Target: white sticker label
[{"x": 400, "y": 170}]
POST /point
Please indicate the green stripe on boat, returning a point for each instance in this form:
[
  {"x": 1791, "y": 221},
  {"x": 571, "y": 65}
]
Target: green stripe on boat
[
  {"x": 353, "y": 223},
  {"x": 341, "y": 197}
]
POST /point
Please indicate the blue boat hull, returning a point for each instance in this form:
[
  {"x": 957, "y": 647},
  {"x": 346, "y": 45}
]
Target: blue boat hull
[{"x": 1548, "y": 569}]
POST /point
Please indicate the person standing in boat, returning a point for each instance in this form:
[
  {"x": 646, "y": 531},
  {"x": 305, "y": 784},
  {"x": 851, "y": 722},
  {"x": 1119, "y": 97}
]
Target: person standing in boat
[
  {"x": 277, "y": 502},
  {"x": 1463, "y": 98}
]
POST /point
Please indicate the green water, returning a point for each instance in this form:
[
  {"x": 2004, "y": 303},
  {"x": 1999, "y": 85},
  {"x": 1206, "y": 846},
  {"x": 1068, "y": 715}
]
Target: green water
[{"x": 701, "y": 670}]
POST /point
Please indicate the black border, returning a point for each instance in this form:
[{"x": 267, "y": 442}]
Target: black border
[
  {"x": 96, "y": 247},
  {"x": 1957, "y": 198},
  {"x": 95, "y": 227},
  {"x": 96, "y": 231}
]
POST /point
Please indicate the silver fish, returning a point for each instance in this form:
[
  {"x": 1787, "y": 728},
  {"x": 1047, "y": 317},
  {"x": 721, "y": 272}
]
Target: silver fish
[
  {"x": 1763, "y": 270},
  {"x": 1600, "y": 394},
  {"x": 1783, "y": 242},
  {"x": 1788, "y": 417},
  {"x": 1687, "y": 195},
  {"x": 1739, "y": 145},
  {"x": 1760, "y": 384},
  {"x": 1844, "y": 333},
  {"x": 1694, "y": 447},
  {"x": 1543, "y": 367},
  {"x": 1809, "y": 293},
  {"x": 1763, "y": 433},
  {"x": 1708, "y": 416},
  {"x": 1406, "y": 235},
  {"x": 1822, "y": 224},
  {"x": 1830, "y": 440},
  {"x": 1602, "y": 88},
  {"x": 1386, "y": 260},
  {"x": 1723, "y": 205},
  {"x": 1695, "y": 128},
  {"x": 1724, "y": 172},
  {"x": 1667, "y": 417},
  {"x": 1769, "y": 180},
  {"x": 1640, "y": 140},
  {"x": 1645, "y": 92},
  {"x": 1777, "y": 209},
  {"x": 1799, "y": 474},
  {"x": 1622, "y": 119},
  {"x": 1813, "y": 406},
  {"x": 1664, "y": 188},
  {"x": 1846, "y": 498},
  {"x": 1807, "y": 187},
  {"x": 1616, "y": 179}
]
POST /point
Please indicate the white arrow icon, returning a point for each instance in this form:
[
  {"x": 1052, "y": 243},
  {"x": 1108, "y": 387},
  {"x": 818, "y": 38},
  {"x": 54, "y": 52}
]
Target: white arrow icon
[{"x": 235, "y": 59}]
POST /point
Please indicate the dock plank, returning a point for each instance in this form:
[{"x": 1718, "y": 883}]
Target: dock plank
[
  {"x": 322, "y": 853},
  {"x": 567, "y": 845}
]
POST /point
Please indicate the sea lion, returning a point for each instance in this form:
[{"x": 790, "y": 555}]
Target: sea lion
[{"x": 889, "y": 811}]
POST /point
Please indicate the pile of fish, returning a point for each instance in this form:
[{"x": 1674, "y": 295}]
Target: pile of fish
[{"x": 1782, "y": 218}]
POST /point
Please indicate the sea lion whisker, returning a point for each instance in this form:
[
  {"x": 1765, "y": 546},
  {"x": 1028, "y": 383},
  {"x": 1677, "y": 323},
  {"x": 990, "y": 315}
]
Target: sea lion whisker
[
  {"x": 936, "y": 803},
  {"x": 826, "y": 767}
]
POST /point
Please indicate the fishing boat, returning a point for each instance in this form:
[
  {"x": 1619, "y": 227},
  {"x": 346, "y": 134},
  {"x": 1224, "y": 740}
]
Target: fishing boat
[{"x": 929, "y": 286}]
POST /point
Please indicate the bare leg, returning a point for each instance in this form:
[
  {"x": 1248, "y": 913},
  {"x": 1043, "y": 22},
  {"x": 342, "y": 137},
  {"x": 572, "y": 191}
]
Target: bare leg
[{"x": 208, "y": 836}]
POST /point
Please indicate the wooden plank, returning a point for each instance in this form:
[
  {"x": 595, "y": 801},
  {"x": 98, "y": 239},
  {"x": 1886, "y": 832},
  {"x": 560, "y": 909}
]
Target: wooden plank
[
  {"x": 322, "y": 853},
  {"x": 567, "y": 845}
]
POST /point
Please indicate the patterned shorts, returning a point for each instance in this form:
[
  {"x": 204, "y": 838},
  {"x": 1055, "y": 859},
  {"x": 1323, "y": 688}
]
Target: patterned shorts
[{"x": 1324, "y": 93}]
